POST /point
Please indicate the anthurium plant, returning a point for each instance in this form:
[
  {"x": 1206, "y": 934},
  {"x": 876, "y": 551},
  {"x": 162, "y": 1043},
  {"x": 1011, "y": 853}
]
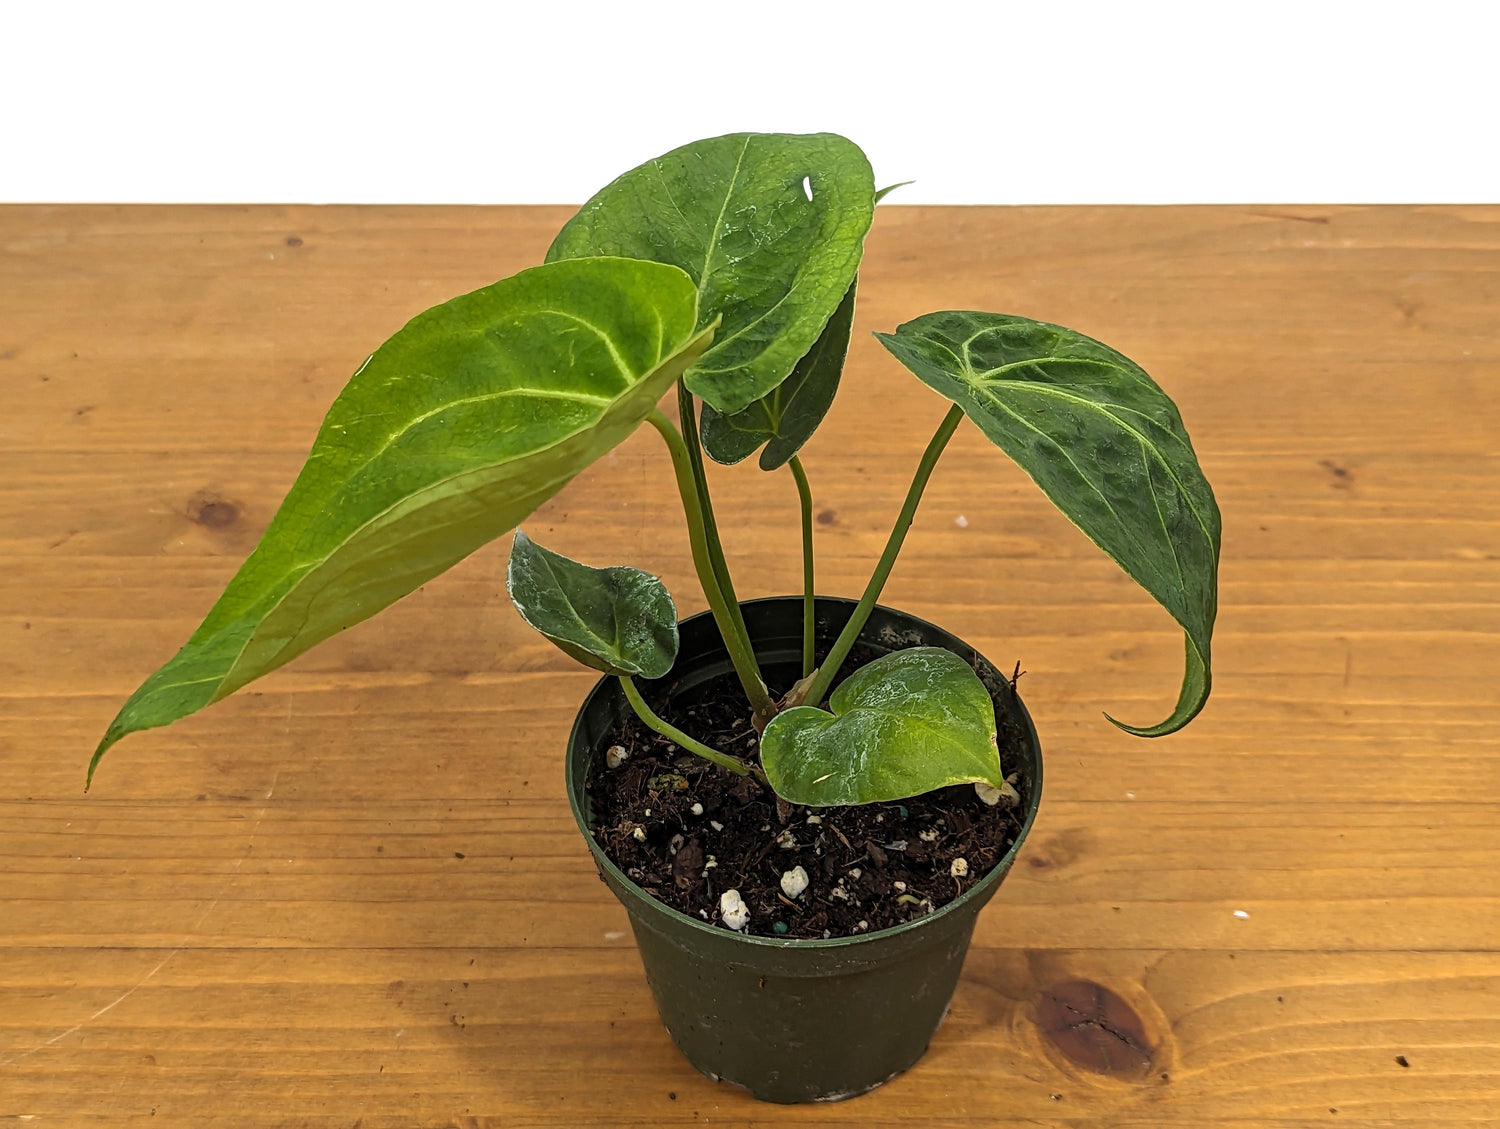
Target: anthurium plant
[{"x": 723, "y": 273}]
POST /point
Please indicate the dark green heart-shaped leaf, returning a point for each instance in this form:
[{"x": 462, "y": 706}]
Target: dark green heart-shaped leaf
[
  {"x": 619, "y": 620},
  {"x": 905, "y": 724},
  {"x": 771, "y": 228},
  {"x": 1103, "y": 442},
  {"x": 460, "y": 425},
  {"x": 785, "y": 417}
]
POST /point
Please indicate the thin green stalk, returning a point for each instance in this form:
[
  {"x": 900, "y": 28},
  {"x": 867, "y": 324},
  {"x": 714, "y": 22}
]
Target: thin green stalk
[
  {"x": 819, "y": 687},
  {"x": 737, "y": 644},
  {"x": 689, "y": 424},
  {"x": 672, "y": 733},
  {"x": 804, "y": 493}
]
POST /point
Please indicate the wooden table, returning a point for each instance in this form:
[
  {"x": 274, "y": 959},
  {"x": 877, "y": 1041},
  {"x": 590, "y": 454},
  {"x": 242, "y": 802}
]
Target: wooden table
[{"x": 353, "y": 896}]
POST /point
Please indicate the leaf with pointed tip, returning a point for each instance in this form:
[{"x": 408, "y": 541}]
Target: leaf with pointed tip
[
  {"x": 889, "y": 188},
  {"x": 619, "y": 620},
  {"x": 460, "y": 425},
  {"x": 1103, "y": 442},
  {"x": 907, "y": 723},
  {"x": 770, "y": 227},
  {"x": 785, "y": 417}
]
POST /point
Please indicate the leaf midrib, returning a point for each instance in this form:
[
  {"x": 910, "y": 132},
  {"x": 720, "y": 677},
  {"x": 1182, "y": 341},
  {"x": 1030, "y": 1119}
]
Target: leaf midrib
[{"x": 713, "y": 235}]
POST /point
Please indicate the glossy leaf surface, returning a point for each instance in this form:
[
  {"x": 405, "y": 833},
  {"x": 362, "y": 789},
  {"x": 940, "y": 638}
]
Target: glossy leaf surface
[
  {"x": 1104, "y": 443},
  {"x": 770, "y": 227},
  {"x": 460, "y": 425},
  {"x": 619, "y": 620},
  {"x": 785, "y": 417},
  {"x": 907, "y": 723}
]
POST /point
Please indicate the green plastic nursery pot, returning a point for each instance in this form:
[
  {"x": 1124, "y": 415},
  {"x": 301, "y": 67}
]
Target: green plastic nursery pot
[{"x": 797, "y": 1020}]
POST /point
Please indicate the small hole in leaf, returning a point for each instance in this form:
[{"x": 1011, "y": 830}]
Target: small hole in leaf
[{"x": 807, "y": 187}]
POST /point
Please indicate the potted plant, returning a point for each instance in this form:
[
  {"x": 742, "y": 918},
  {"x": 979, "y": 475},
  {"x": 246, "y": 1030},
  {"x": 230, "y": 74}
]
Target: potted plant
[{"x": 806, "y": 801}]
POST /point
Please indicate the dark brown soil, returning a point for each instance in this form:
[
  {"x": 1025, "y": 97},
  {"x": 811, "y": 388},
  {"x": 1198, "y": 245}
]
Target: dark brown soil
[{"x": 870, "y": 867}]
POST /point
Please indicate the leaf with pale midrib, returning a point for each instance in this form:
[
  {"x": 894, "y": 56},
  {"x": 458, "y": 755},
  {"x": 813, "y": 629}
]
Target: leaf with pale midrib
[
  {"x": 733, "y": 212},
  {"x": 619, "y": 620},
  {"x": 907, "y": 723},
  {"x": 460, "y": 425},
  {"x": 1103, "y": 442}
]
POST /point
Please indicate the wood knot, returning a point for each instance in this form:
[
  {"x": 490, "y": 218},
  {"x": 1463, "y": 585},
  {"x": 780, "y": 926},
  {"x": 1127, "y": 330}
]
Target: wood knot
[
  {"x": 1095, "y": 1028},
  {"x": 212, "y": 512}
]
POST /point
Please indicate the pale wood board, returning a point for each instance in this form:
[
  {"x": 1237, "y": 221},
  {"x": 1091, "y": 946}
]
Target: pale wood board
[{"x": 259, "y": 917}]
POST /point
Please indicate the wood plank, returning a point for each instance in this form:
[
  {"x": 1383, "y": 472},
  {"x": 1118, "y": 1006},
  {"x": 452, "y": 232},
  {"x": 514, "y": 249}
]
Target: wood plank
[{"x": 260, "y": 917}]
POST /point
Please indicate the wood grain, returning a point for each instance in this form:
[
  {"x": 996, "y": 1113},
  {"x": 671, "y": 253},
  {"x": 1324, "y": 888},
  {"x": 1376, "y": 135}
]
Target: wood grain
[{"x": 352, "y": 895}]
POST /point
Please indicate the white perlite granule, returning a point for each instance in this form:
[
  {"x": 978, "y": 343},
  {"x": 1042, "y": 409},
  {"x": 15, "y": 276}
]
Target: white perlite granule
[
  {"x": 793, "y": 882},
  {"x": 733, "y": 911}
]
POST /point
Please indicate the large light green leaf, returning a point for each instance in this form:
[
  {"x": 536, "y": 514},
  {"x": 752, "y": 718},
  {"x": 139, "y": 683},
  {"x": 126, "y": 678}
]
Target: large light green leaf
[
  {"x": 1103, "y": 442},
  {"x": 453, "y": 431},
  {"x": 785, "y": 417},
  {"x": 619, "y": 620},
  {"x": 907, "y": 723},
  {"x": 771, "y": 228}
]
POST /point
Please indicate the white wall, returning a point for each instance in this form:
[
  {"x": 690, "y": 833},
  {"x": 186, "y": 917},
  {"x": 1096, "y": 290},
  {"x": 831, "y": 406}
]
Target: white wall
[{"x": 1129, "y": 102}]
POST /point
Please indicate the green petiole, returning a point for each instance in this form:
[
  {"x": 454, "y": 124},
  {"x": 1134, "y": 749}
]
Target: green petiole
[
  {"x": 678, "y": 737},
  {"x": 736, "y": 641},
  {"x": 804, "y": 495},
  {"x": 818, "y": 689}
]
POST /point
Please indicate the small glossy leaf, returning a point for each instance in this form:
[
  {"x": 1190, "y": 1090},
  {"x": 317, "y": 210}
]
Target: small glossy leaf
[
  {"x": 902, "y": 725},
  {"x": 460, "y": 425},
  {"x": 785, "y": 417},
  {"x": 770, "y": 227},
  {"x": 619, "y": 620},
  {"x": 1103, "y": 442}
]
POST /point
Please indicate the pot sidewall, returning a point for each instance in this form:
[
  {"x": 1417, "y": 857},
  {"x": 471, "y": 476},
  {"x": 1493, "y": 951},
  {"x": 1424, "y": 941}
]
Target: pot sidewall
[{"x": 797, "y": 1020}]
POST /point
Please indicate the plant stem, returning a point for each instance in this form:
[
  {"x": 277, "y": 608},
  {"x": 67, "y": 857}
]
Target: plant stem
[
  {"x": 736, "y": 643},
  {"x": 804, "y": 494},
  {"x": 689, "y": 424},
  {"x": 819, "y": 687},
  {"x": 672, "y": 733}
]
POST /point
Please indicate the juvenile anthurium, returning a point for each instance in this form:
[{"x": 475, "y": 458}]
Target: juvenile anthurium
[
  {"x": 459, "y": 426},
  {"x": 902, "y": 725},
  {"x": 1103, "y": 442},
  {"x": 769, "y": 226},
  {"x": 619, "y": 620},
  {"x": 726, "y": 268}
]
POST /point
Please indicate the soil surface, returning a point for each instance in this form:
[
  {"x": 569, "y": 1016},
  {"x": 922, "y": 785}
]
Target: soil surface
[{"x": 685, "y": 830}]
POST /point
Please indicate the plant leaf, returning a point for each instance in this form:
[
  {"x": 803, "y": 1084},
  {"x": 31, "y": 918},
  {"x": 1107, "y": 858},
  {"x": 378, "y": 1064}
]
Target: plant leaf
[
  {"x": 1103, "y": 442},
  {"x": 770, "y": 227},
  {"x": 785, "y": 417},
  {"x": 619, "y": 620},
  {"x": 460, "y": 425},
  {"x": 907, "y": 723},
  {"x": 889, "y": 188}
]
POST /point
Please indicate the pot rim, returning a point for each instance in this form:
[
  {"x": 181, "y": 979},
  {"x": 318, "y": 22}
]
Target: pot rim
[{"x": 982, "y": 889}]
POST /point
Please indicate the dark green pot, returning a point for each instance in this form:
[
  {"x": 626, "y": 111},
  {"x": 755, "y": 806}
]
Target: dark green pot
[{"x": 796, "y": 1020}]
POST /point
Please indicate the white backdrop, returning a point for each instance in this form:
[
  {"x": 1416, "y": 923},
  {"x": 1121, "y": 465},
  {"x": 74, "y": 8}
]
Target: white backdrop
[{"x": 439, "y": 102}]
